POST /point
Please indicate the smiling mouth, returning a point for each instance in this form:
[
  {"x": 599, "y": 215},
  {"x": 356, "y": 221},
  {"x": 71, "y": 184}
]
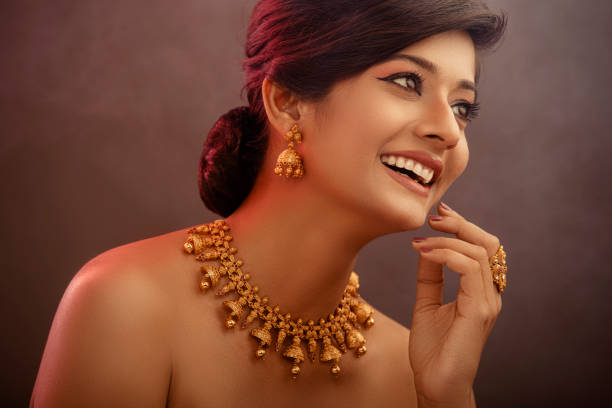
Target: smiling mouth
[{"x": 410, "y": 174}]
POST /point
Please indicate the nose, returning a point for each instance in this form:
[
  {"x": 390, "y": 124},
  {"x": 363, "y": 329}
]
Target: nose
[{"x": 439, "y": 125}]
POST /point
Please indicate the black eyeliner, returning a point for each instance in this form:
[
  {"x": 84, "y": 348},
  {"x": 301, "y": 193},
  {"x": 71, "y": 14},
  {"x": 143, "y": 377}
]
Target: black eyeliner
[{"x": 418, "y": 80}]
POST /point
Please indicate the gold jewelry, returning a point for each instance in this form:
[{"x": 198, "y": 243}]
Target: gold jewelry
[
  {"x": 498, "y": 266},
  {"x": 210, "y": 243},
  {"x": 289, "y": 162}
]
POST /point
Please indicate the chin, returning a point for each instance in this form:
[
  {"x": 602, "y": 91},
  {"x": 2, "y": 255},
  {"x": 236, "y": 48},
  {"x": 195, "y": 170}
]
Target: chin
[
  {"x": 410, "y": 220},
  {"x": 392, "y": 218}
]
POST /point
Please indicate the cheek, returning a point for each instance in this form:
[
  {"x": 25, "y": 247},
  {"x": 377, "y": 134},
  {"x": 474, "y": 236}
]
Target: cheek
[
  {"x": 459, "y": 160},
  {"x": 358, "y": 123}
]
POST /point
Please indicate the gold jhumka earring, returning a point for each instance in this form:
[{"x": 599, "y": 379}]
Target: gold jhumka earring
[{"x": 289, "y": 162}]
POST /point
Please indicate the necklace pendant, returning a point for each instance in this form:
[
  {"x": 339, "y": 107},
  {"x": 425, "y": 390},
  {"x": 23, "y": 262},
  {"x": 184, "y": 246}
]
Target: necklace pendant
[
  {"x": 354, "y": 339},
  {"x": 210, "y": 277},
  {"x": 331, "y": 353},
  {"x": 295, "y": 353},
  {"x": 362, "y": 311},
  {"x": 265, "y": 338},
  {"x": 235, "y": 307}
]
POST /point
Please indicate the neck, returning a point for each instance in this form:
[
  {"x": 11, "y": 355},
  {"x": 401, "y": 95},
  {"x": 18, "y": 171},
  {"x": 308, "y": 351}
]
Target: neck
[{"x": 299, "y": 249}]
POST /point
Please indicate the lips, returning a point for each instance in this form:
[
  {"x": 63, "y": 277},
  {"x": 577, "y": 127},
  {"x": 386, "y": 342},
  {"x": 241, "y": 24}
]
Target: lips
[
  {"x": 422, "y": 157},
  {"x": 409, "y": 183}
]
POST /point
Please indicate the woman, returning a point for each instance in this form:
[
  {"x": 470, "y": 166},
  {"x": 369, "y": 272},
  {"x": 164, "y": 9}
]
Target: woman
[{"x": 356, "y": 128}]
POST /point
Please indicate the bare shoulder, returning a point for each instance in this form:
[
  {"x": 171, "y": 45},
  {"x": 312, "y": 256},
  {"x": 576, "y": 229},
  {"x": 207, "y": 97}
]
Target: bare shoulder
[
  {"x": 394, "y": 336},
  {"x": 388, "y": 342},
  {"x": 109, "y": 342}
]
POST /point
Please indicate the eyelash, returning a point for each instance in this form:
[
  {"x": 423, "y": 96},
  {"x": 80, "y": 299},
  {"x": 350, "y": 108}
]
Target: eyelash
[
  {"x": 417, "y": 78},
  {"x": 472, "y": 107}
]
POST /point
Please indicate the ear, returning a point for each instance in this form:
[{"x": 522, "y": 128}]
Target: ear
[{"x": 282, "y": 106}]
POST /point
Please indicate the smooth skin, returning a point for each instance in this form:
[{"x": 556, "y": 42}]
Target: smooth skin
[{"x": 133, "y": 329}]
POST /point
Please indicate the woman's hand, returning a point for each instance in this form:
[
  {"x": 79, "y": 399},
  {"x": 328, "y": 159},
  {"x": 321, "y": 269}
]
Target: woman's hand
[{"x": 446, "y": 341}]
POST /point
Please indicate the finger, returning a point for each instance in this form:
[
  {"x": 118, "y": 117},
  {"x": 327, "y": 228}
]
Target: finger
[
  {"x": 471, "y": 294},
  {"x": 430, "y": 285},
  {"x": 475, "y": 252},
  {"x": 451, "y": 222}
]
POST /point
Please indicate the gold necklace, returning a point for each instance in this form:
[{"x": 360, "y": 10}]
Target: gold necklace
[{"x": 210, "y": 243}]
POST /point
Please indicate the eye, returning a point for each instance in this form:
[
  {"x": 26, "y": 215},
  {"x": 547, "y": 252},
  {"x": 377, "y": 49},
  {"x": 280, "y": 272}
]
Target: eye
[
  {"x": 408, "y": 80},
  {"x": 466, "y": 110}
]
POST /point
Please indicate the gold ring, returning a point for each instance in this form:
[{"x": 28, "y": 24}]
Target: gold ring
[{"x": 498, "y": 266}]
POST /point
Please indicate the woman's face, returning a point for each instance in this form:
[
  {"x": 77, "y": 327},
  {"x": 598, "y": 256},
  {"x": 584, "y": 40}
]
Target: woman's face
[{"x": 419, "y": 101}]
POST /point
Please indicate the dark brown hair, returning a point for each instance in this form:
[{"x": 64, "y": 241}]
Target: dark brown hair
[{"x": 307, "y": 46}]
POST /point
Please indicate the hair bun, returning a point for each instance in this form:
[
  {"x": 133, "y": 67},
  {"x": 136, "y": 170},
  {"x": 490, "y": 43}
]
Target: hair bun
[{"x": 230, "y": 161}]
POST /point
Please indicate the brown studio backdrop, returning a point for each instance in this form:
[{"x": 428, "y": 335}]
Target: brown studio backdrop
[{"x": 105, "y": 107}]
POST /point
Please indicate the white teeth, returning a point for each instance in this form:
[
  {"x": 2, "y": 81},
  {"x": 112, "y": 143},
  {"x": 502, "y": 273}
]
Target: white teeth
[
  {"x": 426, "y": 173},
  {"x": 409, "y": 165},
  {"x": 418, "y": 169}
]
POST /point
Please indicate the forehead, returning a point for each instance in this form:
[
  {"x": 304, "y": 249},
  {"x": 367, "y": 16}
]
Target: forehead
[
  {"x": 450, "y": 55},
  {"x": 452, "y": 52}
]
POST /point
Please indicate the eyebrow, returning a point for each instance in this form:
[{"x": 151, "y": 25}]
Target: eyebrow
[{"x": 432, "y": 68}]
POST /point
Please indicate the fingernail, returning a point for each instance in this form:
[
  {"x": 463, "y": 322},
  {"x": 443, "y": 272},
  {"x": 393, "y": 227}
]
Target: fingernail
[
  {"x": 435, "y": 217},
  {"x": 446, "y": 207},
  {"x": 418, "y": 239},
  {"x": 425, "y": 249}
]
